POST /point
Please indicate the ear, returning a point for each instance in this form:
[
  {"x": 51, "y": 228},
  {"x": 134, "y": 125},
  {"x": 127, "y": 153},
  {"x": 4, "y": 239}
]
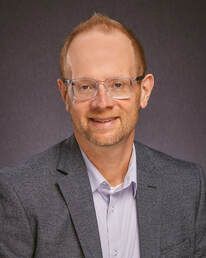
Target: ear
[
  {"x": 62, "y": 89},
  {"x": 64, "y": 93},
  {"x": 146, "y": 89}
]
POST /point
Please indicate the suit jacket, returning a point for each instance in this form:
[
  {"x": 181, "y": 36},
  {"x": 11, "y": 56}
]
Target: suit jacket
[{"x": 47, "y": 209}]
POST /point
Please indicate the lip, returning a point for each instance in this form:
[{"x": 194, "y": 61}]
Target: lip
[
  {"x": 103, "y": 120},
  {"x": 103, "y": 123}
]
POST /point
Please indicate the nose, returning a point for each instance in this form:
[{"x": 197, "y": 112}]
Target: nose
[{"x": 102, "y": 99}]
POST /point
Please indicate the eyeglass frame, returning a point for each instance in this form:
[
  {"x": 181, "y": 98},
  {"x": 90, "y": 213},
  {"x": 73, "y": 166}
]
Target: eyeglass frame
[{"x": 68, "y": 82}]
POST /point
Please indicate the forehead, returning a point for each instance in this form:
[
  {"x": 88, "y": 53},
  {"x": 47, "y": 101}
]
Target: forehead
[
  {"x": 98, "y": 36},
  {"x": 102, "y": 50}
]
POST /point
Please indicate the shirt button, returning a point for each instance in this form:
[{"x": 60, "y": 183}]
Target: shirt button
[{"x": 115, "y": 252}]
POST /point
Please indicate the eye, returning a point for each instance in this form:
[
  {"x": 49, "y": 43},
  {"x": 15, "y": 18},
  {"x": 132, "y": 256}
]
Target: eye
[
  {"x": 117, "y": 85},
  {"x": 84, "y": 87}
]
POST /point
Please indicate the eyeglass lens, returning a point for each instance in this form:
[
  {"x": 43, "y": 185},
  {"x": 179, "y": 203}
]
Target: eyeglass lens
[{"x": 116, "y": 88}]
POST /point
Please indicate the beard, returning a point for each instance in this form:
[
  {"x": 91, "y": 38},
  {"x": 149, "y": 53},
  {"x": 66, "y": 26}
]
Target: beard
[
  {"x": 108, "y": 140},
  {"x": 101, "y": 138}
]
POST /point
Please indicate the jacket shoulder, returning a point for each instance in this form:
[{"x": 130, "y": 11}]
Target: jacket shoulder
[
  {"x": 166, "y": 164},
  {"x": 37, "y": 165}
]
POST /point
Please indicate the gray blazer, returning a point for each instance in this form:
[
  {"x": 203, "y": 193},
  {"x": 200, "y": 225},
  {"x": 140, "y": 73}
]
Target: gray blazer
[{"x": 47, "y": 209}]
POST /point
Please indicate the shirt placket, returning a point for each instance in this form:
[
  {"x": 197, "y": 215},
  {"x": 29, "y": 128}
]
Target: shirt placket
[{"x": 112, "y": 227}]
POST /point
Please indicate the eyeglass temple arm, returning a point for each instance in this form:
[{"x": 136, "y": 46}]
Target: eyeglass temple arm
[
  {"x": 139, "y": 78},
  {"x": 66, "y": 81}
]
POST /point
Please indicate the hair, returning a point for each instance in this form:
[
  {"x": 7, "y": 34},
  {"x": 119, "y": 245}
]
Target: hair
[{"x": 106, "y": 25}]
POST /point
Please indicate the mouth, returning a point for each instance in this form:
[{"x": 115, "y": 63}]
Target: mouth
[
  {"x": 103, "y": 120},
  {"x": 103, "y": 123}
]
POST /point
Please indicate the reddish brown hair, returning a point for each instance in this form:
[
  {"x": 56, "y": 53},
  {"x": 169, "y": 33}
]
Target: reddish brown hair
[{"x": 107, "y": 25}]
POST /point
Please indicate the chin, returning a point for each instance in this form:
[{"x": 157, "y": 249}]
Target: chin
[{"x": 106, "y": 140}]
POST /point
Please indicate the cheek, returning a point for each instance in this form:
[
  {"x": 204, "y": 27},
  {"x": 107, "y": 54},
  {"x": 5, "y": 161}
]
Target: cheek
[
  {"x": 68, "y": 103},
  {"x": 132, "y": 111},
  {"x": 134, "y": 105},
  {"x": 78, "y": 113}
]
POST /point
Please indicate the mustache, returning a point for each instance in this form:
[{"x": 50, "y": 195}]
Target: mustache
[{"x": 103, "y": 114}]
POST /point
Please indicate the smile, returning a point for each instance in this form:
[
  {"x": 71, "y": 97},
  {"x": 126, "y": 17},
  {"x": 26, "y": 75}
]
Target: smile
[
  {"x": 103, "y": 123},
  {"x": 101, "y": 120}
]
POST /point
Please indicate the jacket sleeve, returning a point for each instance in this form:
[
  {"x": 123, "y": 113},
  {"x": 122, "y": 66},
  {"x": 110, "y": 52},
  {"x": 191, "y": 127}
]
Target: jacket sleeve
[
  {"x": 15, "y": 234},
  {"x": 200, "y": 226}
]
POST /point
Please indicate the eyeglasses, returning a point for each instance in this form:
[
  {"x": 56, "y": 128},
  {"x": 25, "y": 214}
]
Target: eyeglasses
[{"x": 83, "y": 89}]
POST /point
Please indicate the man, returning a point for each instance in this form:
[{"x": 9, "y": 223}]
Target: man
[{"x": 99, "y": 194}]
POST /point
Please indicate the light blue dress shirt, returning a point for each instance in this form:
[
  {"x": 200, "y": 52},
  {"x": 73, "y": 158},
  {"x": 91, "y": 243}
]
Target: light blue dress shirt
[{"x": 116, "y": 211}]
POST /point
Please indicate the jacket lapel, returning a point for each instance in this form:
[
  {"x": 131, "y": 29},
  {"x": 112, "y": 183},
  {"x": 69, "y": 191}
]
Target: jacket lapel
[
  {"x": 76, "y": 191},
  {"x": 148, "y": 203}
]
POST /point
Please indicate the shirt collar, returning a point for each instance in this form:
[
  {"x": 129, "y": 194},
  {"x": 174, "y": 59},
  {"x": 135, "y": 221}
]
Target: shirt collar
[{"x": 96, "y": 178}]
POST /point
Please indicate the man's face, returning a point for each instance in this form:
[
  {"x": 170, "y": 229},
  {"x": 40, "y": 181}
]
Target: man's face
[{"x": 103, "y": 121}]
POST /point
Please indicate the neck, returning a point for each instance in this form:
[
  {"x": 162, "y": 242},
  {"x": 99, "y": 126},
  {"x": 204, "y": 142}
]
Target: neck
[{"x": 111, "y": 161}]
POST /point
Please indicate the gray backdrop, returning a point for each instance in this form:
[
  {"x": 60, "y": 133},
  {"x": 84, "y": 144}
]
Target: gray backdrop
[{"x": 173, "y": 34}]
